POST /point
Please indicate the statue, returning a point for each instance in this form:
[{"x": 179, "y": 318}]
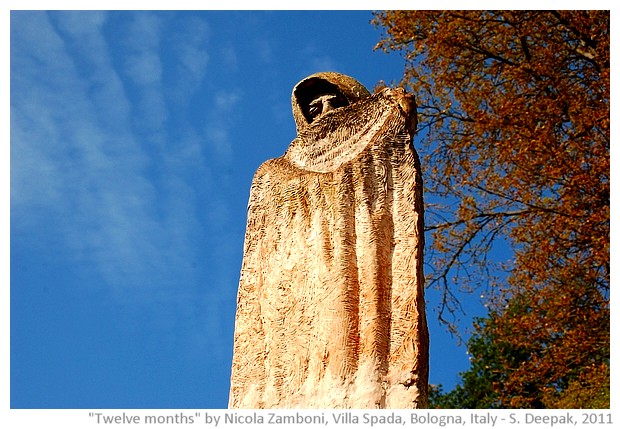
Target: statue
[{"x": 330, "y": 308}]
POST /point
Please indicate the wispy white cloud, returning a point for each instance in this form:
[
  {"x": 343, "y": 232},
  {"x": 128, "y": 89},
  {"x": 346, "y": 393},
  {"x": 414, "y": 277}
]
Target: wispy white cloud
[
  {"x": 144, "y": 31},
  {"x": 225, "y": 102},
  {"x": 148, "y": 221},
  {"x": 314, "y": 59},
  {"x": 78, "y": 168},
  {"x": 190, "y": 48},
  {"x": 320, "y": 63},
  {"x": 219, "y": 141},
  {"x": 217, "y": 130},
  {"x": 264, "y": 50},
  {"x": 143, "y": 67}
]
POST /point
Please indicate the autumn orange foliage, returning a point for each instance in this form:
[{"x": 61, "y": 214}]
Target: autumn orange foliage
[{"x": 515, "y": 128}]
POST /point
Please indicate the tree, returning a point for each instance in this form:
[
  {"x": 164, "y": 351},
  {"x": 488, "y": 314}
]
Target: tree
[
  {"x": 515, "y": 136},
  {"x": 538, "y": 373},
  {"x": 481, "y": 385},
  {"x": 476, "y": 389},
  {"x": 562, "y": 333}
]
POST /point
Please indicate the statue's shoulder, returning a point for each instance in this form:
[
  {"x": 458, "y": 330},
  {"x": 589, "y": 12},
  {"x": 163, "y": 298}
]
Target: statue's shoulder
[{"x": 275, "y": 169}]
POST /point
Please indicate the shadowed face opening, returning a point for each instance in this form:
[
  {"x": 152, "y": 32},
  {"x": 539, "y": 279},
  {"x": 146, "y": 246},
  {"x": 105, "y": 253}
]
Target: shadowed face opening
[
  {"x": 323, "y": 103},
  {"x": 317, "y": 97}
]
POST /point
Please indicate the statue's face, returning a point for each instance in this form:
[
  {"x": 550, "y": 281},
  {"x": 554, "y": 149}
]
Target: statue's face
[
  {"x": 323, "y": 103},
  {"x": 321, "y": 93}
]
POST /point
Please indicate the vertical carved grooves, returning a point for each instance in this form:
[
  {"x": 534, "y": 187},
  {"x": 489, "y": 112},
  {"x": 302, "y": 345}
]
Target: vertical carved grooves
[
  {"x": 409, "y": 343},
  {"x": 346, "y": 272},
  {"x": 331, "y": 302}
]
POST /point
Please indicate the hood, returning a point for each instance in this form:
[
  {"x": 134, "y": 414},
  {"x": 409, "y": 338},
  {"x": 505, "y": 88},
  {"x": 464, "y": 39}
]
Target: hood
[{"x": 319, "y": 84}]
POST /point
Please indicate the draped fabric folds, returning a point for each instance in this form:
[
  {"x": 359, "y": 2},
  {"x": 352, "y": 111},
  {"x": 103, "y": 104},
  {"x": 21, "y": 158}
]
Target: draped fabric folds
[{"x": 330, "y": 309}]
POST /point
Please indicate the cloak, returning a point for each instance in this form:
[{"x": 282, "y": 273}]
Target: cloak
[{"x": 330, "y": 307}]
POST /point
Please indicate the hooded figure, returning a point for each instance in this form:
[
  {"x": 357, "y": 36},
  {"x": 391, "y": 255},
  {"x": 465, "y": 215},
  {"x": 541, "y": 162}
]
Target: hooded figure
[{"x": 330, "y": 307}]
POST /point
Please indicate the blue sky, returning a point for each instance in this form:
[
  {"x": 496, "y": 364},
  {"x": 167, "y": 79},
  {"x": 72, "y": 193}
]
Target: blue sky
[{"x": 134, "y": 139}]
